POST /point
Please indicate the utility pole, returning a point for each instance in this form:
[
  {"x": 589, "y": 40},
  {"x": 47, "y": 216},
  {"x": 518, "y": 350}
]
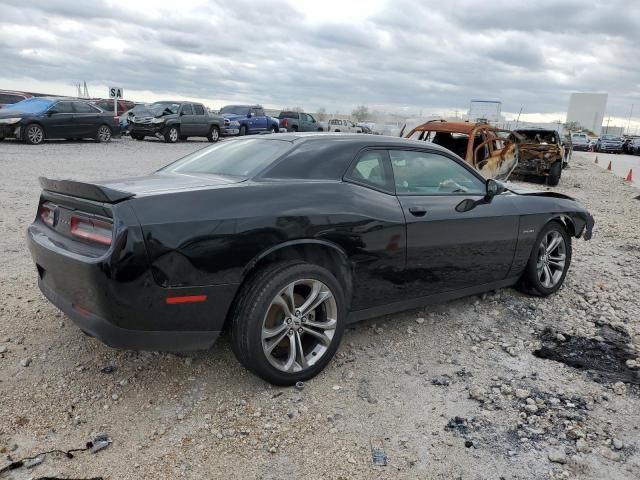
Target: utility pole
[
  {"x": 606, "y": 130},
  {"x": 518, "y": 119},
  {"x": 629, "y": 121}
]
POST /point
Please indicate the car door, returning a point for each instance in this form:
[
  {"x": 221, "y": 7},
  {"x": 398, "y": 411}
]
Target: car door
[
  {"x": 200, "y": 120},
  {"x": 449, "y": 247},
  {"x": 86, "y": 119},
  {"x": 187, "y": 120},
  {"x": 259, "y": 120},
  {"x": 59, "y": 121},
  {"x": 312, "y": 124}
]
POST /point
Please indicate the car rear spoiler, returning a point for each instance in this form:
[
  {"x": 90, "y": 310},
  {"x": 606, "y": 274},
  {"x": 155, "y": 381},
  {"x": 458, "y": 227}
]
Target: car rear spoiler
[{"x": 88, "y": 191}]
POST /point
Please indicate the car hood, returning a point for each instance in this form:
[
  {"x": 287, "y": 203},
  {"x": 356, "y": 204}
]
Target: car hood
[
  {"x": 11, "y": 113},
  {"x": 165, "y": 182},
  {"x": 518, "y": 190}
]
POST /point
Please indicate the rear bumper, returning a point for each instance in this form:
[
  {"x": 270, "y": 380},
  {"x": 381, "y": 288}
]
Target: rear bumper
[
  {"x": 118, "y": 337},
  {"x": 114, "y": 297}
]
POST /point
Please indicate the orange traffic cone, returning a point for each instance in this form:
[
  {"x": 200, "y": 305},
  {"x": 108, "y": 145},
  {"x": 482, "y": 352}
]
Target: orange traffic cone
[
  {"x": 596, "y": 162},
  {"x": 609, "y": 167},
  {"x": 630, "y": 175}
]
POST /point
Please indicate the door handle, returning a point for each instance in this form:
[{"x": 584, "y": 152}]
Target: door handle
[{"x": 418, "y": 211}]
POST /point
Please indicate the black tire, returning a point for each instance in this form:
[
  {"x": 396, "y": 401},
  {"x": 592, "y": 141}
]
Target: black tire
[
  {"x": 320, "y": 129},
  {"x": 214, "y": 134},
  {"x": 254, "y": 303},
  {"x": 33, "y": 134},
  {"x": 243, "y": 131},
  {"x": 171, "y": 134},
  {"x": 183, "y": 138},
  {"x": 274, "y": 129},
  {"x": 103, "y": 134},
  {"x": 530, "y": 281},
  {"x": 294, "y": 128},
  {"x": 554, "y": 174}
]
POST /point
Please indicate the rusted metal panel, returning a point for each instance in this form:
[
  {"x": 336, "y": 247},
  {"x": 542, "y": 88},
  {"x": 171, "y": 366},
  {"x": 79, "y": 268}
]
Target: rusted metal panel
[{"x": 494, "y": 156}]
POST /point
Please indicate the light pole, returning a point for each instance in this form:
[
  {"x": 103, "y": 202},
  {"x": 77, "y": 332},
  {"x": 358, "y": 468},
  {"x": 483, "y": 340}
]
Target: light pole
[{"x": 629, "y": 121}]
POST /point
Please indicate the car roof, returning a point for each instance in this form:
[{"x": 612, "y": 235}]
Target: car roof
[
  {"x": 445, "y": 126},
  {"x": 352, "y": 138}
]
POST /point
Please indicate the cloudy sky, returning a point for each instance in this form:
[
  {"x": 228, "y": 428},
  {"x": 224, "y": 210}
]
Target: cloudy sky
[{"x": 395, "y": 55}]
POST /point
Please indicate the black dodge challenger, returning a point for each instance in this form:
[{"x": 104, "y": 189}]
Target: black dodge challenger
[{"x": 286, "y": 239}]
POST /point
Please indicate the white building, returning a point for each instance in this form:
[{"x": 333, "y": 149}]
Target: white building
[{"x": 587, "y": 109}]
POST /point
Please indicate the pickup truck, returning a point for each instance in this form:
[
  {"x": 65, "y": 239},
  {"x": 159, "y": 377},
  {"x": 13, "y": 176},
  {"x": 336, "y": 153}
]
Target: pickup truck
[
  {"x": 173, "y": 121},
  {"x": 299, "y": 122},
  {"x": 250, "y": 119},
  {"x": 336, "y": 125}
]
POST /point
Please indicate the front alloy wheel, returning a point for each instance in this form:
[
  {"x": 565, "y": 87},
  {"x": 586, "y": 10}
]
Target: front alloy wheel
[
  {"x": 552, "y": 254},
  {"x": 34, "y": 134},
  {"x": 171, "y": 135},
  {"x": 549, "y": 261}
]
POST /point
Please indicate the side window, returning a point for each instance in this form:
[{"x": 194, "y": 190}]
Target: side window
[
  {"x": 64, "y": 107},
  {"x": 429, "y": 173},
  {"x": 304, "y": 117},
  {"x": 82, "y": 107},
  {"x": 311, "y": 119},
  {"x": 370, "y": 169},
  {"x": 199, "y": 109},
  {"x": 187, "y": 109},
  {"x": 258, "y": 112}
]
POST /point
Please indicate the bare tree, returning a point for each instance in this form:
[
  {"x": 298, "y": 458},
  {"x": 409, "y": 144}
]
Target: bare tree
[
  {"x": 361, "y": 113},
  {"x": 293, "y": 109},
  {"x": 322, "y": 114}
]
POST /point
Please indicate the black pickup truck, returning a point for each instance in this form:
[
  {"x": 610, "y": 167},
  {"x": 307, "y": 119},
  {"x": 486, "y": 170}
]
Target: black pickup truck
[{"x": 173, "y": 121}]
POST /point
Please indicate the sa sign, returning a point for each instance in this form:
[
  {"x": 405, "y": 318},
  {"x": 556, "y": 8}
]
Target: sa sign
[{"x": 115, "y": 92}]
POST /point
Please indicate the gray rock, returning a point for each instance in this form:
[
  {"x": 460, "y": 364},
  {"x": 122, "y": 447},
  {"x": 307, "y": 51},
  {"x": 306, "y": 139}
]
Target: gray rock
[
  {"x": 25, "y": 362},
  {"x": 477, "y": 393},
  {"x": 521, "y": 393},
  {"x": 617, "y": 444},
  {"x": 557, "y": 456},
  {"x": 3, "y": 348}
]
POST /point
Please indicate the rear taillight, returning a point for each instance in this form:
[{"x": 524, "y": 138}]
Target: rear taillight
[
  {"x": 47, "y": 213},
  {"x": 91, "y": 229},
  {"x": 285, "y": 123}
]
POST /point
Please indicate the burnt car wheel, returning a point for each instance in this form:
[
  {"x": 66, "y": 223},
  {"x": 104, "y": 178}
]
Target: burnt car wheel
[
  {"x": 214, "y": 135},
  {"x": 33, "y": 134},
  {"x": 549, "y": 261},
  {"x": 288, "y": 322},
  {"x": 103, "y": 135},
  {"x": 171, "y": 135},
  {"x": 555, "y": 171}
]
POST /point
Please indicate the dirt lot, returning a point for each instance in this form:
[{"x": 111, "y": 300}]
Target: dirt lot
[{"x": 451, "y": 391}]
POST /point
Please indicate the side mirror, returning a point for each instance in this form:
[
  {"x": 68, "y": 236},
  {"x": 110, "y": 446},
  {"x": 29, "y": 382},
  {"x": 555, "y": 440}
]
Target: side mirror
[
  {"x": 249, "y": 115},
  {"x": 494, "y": 188}
]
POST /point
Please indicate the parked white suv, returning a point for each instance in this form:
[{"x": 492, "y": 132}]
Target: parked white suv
[{"x": 346, "y": 126}]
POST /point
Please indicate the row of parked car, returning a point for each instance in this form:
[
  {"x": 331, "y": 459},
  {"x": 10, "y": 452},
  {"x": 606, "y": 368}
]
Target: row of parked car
[
  {"x": 606, "y": 143},
  {"x": 34, "y": 118}
]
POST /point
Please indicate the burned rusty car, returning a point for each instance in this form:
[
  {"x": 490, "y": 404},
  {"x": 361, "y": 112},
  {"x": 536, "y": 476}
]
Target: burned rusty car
[
  {"x": 284, "y": 240},
  {"x": 541, "y": 154},
  {"x": 481, "y": 145}
]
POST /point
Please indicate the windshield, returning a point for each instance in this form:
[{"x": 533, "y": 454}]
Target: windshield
[
  {"x": 610, "y": 137},
  {"x": 164, "y": 108},
  {"x": 235, "y": 110},
  {"x": 30, "y": 105},
  {"x": 538, "y": 136},
  {"x": 238, "y": 158}
]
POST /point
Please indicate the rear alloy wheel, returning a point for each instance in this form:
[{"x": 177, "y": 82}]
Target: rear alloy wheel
[
  {"x": 288, "y": 322},
  {"x": 554, "y": 174},
  {"x": 214, "y": 134},
  {"x": 171, "y": 135},
  {"x": 33, "y": 134},
  {"x": 549, "y": 261},
  {"x": 103, "y": 135}
]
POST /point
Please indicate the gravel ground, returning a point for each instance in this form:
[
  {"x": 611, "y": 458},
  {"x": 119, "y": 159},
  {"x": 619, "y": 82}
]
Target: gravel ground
[{"x": 450, "y": 391}]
